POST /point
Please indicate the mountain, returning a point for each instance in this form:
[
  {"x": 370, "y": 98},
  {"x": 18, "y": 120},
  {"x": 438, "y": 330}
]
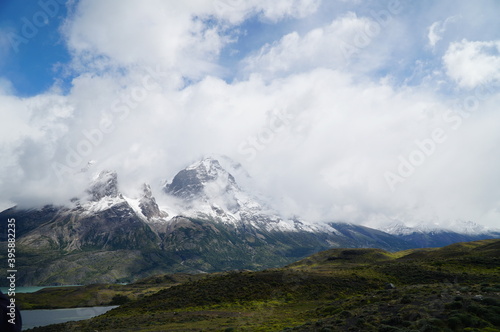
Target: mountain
[
  {"x": 425, "y": 235},
  {"x": 106, "y": 221},
  {"x": 209, "y": 191},
  {"x": 211, "y": 223}
]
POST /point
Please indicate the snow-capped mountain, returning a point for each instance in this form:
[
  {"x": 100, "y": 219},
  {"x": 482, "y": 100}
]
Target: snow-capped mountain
[
  {"x": 461, "y": 227},
  {"x": 471, "y": 228},
  {"x": 435, "y": 235},
  {"x": 207, "y": 190},
  {"x": 399, "y": 228},
  {"x": 104, "y": 185},
  {"x": 207, "y": 222}
]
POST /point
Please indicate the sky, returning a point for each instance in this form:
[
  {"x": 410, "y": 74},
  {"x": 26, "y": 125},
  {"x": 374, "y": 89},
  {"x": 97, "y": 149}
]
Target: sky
[{"x": 361, "y": 111}]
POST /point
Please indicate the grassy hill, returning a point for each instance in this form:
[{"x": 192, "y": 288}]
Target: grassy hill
[{"x": 455, "y": 288}]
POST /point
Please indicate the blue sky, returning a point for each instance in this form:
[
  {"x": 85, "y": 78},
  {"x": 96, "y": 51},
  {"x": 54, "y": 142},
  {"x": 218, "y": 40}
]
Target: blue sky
[
  {"x": 387, "y": 106},
  {"x": 32, "y": 61}
]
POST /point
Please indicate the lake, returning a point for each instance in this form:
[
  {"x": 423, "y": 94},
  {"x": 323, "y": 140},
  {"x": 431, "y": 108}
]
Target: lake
[
  {"x": 31, "y": 289},
  {"x": 34, "y": 318}
]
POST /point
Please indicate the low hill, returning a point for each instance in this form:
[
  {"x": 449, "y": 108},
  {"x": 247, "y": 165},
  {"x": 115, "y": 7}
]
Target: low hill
[{"x": 442, "y": 289}]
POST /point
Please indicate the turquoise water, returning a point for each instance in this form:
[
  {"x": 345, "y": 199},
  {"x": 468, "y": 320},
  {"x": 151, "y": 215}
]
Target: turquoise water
[
  {"x": 30, "y": 289},
  {"x": 34, "y": 318}
]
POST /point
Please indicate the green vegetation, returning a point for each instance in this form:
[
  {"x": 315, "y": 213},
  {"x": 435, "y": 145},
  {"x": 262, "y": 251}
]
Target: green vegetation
[
  {"x": 99, "y": 294},
  {"x": 456, "y": 288}
]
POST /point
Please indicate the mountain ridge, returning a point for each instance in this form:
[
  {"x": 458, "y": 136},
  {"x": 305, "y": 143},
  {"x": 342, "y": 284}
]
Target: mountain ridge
[{"x": 220, "y": 227}]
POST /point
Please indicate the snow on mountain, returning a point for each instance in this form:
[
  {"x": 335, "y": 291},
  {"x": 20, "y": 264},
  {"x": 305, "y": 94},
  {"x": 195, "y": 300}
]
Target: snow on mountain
[
  {"x": 459, "y": 227},
  {"x": 102, "y": 194},
  {"x": 469, "y": 228},
  {"x": 400, "y": 228},
  {"x": 105, "y": 184},
  {"x": 207, "y": 190},
  {"x": 148, "y": 206}
]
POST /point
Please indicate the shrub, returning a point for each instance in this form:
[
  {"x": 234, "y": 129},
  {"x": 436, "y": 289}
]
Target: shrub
[
  {"x": 387, "y": 328},
  {"x": 491, "y": 301},
  {"x": 454, "y": 323},
  {"x": 119, "y": 299},
  {"x": 405, "y": 300},
  {"x": 430, "y": 325},
  {"x": 453, "y": 305}
]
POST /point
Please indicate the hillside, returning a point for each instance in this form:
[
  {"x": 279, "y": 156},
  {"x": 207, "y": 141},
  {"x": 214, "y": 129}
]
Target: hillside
[{"x": 444, "y": 289}]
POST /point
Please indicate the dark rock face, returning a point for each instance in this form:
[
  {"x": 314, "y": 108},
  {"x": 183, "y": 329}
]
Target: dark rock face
[
  {"x": 190, "y": 183},
  {"x": 148, "y": 205},
  {"x": 26, "y": 220},
  {"x": 186, "y": 184},
  {"x": 117, "y": 227}
]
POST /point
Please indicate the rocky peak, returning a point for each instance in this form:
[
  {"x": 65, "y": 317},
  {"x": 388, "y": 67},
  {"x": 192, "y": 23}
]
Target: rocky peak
[
  {"x": 146, "y": 191},
  {"x": 148, "y": 205},
  {"x": 191, "y": 182},
  {"x": 105, "y": 185}
]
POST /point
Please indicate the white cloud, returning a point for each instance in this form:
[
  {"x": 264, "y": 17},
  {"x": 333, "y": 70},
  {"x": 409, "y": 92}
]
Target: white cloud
[
  {"x": 472, "y": 63},
  {"x": 435, "y": 32},
  {"x": 174, "y": 35},
  {"x": 235, "y": 11},
  {"x": 355, "y": 43},
  {"x": 279, "y": 9},
  {"x": 6, "y": 87},
  {"x": 15, "y": 119},
  {"x": 438, "y": 28},
  {"x": 331, "y": 46},
  {"x": 161, "y": 33},
  {"x": 5, "y": 44}
]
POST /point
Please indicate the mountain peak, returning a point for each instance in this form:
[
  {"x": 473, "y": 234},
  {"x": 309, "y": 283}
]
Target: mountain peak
[
  {"x": 206, "y": 163},
  {"x": 148, "y": 205},
  {"x": 191, "y": 182},
  {"x": 104, "y": 185},
  {"x": 146, "y": 191}
]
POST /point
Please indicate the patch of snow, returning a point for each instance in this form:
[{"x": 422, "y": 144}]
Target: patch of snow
[
  {"x": 134, "y": 204},
  {"x": 104, "y": 203}
]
